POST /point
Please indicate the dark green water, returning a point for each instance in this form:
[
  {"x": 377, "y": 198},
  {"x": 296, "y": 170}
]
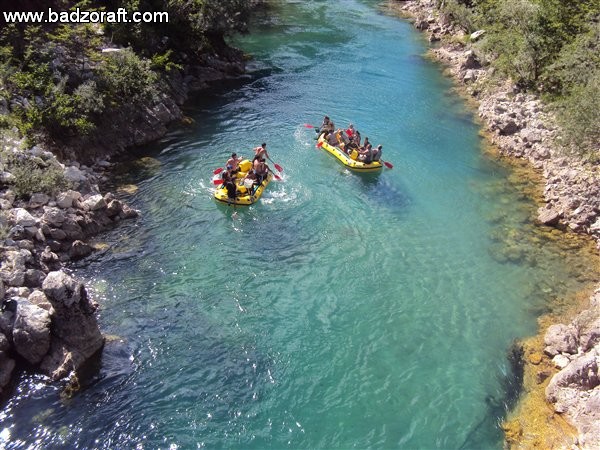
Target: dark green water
[{"x": 342, "y": 311}]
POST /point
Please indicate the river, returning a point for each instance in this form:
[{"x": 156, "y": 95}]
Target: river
[{"x": 342, "y": 310}]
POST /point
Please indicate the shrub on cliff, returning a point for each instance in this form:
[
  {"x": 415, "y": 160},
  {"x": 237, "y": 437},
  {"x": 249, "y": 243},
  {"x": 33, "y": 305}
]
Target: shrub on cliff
[
  {"x": 455, "y": 11},
  {"x": 579, "y": 116},
  {"x": 515, "y": 40},
  {"x": 125, "y": 78},
  {"x": 30, "y": 173}
]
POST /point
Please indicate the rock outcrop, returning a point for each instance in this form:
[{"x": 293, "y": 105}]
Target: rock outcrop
[
  {"x": 575, "y": 389},
  {"x": 47, "y": 321},
  {"x": 76, "y": 336}
]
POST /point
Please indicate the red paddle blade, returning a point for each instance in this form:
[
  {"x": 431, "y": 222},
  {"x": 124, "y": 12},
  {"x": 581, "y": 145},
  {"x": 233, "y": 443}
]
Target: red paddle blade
[
  {"x": 308, "y": 125},
  {"x": 278, "y": 167},
  {"x": 218, "y": 182},
  {"x": 218, "y": 171},
  {"x": 388, "y": 165},
  {"x": 277, "y": 177},
  {"x": 319, "y": 144}
]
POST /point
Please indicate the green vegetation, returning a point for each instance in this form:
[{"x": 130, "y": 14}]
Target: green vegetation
[
  {"x": 56, "y": 81},
  {"x": 35, "y": 175},
  {"x": 30, "y": 173},
  {"x": 548, "y": 46}
]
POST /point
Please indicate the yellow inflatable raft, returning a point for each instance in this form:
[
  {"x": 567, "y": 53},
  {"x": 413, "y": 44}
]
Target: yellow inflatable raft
[
  {"x": 350, "y": 161},
  {"x": 245, "y": 194}
]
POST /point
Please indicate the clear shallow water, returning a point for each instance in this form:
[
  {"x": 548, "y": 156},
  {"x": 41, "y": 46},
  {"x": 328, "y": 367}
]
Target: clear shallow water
[{"x": 341, "y": 311}]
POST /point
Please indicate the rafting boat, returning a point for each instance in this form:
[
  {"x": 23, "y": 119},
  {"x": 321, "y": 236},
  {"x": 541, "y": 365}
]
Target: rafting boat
[
  {"x": 350, "y": 161},
  {"x": 246, "y": 194}
]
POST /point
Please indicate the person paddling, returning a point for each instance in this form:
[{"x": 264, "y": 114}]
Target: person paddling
[
  {"x": 261, "y": 152},
  {"x": 327, "y": 125}
]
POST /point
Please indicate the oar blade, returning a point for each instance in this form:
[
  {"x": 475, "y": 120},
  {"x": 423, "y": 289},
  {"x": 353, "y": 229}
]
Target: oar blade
[
  {"x": 279, "y": 168},
  {"x": 217, "y": 182},
  {"x": 277, "y": 177},
  {"x": 319, "y": 144},
  {"x": 218, "y": 171},
  {"x": 388, "y": 165},
  {"x": 308, "y": 125}
]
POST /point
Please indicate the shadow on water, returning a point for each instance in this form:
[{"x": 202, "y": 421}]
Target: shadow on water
[
  {"x": 497, "y": 408},
  {"x": 384, "y": 193}
]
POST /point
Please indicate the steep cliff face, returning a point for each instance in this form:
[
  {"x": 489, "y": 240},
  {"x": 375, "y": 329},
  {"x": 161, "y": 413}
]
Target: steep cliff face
[{"x": 146, "y": 121}]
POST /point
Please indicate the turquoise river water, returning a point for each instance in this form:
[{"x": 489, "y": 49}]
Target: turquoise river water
[{"x": 341, "y": 311}]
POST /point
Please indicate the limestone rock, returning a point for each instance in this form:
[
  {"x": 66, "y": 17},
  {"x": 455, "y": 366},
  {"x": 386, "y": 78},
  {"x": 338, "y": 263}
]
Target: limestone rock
[
  {"x": 67, "y": 199},
  {"x": 80, "y": 249},
  {"x": 61, "y": 288},
  {"x": 38, "y": 298},
  {"x": 38, "y": 199},
  {"x": 31, "y": 332},
  {"x": 548, "y": 216},
  {"x": 23, "y": 218},
  {"x": 94, "y": 203},
  {"x": 74, "y": 325},
  {"x": 53, "y": 216},
  {"x": 560, "y": 339},
  {"x": 7, "y": 365},
  {"x": 575, "y": 392},
  {"x": 4, "y": 344},
  {"x": 74, "y": 175}
]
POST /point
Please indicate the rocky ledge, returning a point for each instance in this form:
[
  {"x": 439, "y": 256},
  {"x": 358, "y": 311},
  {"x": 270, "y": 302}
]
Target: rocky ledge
[
  {"x": 521, "y": 126},
  {"x": 47, "y": 320}
]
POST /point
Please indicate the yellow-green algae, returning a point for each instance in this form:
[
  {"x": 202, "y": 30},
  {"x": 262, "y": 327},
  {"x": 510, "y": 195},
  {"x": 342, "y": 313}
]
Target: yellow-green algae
[{"x": 534, "y": 424}]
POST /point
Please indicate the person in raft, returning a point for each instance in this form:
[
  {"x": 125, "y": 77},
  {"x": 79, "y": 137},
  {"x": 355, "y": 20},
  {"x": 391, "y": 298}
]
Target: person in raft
[
  {"x": 350, "y": 131},
  {"x": 234, "y": 163},
  {"x": 250, "y": 181},
  {"x": 229, "y": 183},
  {"x": 327, "y": 125},
  {"x": 260, "y": 169},
  {"x": 366, "y": 154},
  {"x": 377, "y": 153},
  {"x": 261, "y": 152},
  {"x": 366, "y": 142}
]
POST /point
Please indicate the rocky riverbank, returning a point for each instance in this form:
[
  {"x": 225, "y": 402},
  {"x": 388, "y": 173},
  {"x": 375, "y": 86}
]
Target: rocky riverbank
[
  {"x": 564, "y": 363},
  {"x": 48, "y": 321}
]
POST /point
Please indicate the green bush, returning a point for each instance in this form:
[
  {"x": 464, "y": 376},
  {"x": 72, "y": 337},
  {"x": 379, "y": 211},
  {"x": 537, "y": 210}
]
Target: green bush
[
  {"x": 579, "y": 117},
  {"x": 515, "y": 41},
  {"x": 34, "y": 175},
  {"x": 459, "y": 14},
  {"x": 164, "y": 62},
  {"x": 125, "y": 78},
  {"x": 575, "y": 65}
]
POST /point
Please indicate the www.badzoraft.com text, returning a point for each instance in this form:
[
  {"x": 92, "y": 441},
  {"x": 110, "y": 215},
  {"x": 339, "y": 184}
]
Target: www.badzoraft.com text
[{"x": 83, "y": 16}]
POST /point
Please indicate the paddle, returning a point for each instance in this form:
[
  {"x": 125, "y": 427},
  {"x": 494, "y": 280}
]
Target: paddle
[
  {"x": 218, "y": 171},
  {"x": 277, "y": 166},
  {"x": 216, "y": 182},
  {"x": 387, "y": 164},
  {"x": 308, "y": 125},
  {"x": 277, "y": 177},
  {"x": 319, "y": 144}
]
